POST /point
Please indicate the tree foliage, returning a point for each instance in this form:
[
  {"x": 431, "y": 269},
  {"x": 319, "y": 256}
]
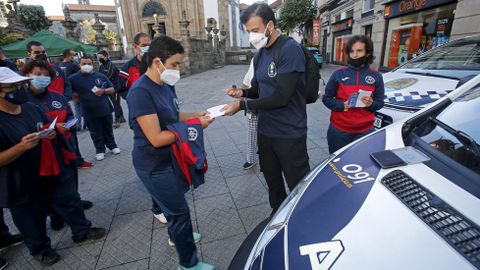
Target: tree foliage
[
  {"x": 33, "y": 17},
  {"x": 111, "y": 36},
  {"x": 6, "y": 39},
  {"x": 296, "y": 14}
]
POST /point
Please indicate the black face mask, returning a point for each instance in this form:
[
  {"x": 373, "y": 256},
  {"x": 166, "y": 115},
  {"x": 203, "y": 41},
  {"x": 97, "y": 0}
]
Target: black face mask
[
  {"x": 102, "y": 60},
  {"x": 357, "y": 62},
  {"x": 41, "y": 57},
  {"x": 17, "y": 96},
  {"x": 3, "y": 63}
]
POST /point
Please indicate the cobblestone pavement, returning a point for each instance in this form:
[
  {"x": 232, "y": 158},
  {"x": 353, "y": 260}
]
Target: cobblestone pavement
[{"x": 225, "y": 209}]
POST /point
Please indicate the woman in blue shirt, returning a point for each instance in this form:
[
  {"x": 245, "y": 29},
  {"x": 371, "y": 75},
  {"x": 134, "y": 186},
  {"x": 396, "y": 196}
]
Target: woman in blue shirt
[{"x": 153, "y": 105}]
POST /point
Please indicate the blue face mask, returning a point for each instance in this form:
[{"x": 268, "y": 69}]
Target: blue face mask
[
  {"x": 40, "y": 82},
  {"x": 144, "y": 50}
]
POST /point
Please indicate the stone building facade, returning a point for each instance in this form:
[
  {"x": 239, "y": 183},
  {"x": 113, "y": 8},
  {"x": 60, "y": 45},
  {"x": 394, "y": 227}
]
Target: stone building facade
[
  {"x": 137, "y": 16},
  {"x": 397, "y": 27}
]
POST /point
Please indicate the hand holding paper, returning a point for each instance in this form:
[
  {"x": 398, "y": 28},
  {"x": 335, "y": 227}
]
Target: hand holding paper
[
  {"x": 48, "y": 132},
  {"x": 215, "y": 111},
  {"x": 355, "y": 100}
]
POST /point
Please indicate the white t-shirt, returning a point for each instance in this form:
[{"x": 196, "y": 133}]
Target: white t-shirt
[{"x": 247, "y": 80}]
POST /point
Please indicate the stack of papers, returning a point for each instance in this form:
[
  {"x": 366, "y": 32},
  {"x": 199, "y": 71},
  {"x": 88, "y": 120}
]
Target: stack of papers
[{"x": 355, "y": 100}]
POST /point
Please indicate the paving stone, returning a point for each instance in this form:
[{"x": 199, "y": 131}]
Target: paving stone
[
  {"x": 135, "y": 198},
  {"x": 218, "y": 218},
  {"x": 129, "y": 240},
  {"x": 214, "y": 184},
  {"x": 105, "y": 189},
  {"x": 252, "y": 216},
  {"x": 162, "y": 256},
  {"x": 138, "y": 265},
  {"x": 220, "y": 252},
  {"x": 247, "y": 190},
  {"x": 231, "y": 165},
  {"x": 19, "y": 258},
  {"x": 82, "y": 257}
]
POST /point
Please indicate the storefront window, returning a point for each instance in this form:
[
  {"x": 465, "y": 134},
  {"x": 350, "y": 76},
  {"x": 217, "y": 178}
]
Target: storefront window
[{"x": 414, "y": 34}]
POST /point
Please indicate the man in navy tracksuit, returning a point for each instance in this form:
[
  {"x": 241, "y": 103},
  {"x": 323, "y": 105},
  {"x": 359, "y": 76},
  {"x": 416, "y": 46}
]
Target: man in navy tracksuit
[
  {"x": 347, "y": 122},
  {"x": 93, "y": 89},
  {"x": 276, "y": 95}
]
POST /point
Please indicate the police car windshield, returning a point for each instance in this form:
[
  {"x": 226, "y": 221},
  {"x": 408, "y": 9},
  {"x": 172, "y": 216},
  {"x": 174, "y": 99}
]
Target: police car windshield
[
  {"x": 461, "y": 55},
  {"x": 455, "y": 131}
]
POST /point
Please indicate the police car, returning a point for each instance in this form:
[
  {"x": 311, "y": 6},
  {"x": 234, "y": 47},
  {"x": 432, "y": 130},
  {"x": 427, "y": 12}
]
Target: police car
[
  {"x": 426, "y": 78},
  {"x": 417, "y": 209}
]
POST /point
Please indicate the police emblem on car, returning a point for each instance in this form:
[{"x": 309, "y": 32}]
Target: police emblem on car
[{"x": 192, "y": 134}]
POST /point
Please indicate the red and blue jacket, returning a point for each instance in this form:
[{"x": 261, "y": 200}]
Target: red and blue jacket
[
  {"x": 129, "y": 74},
  {"x": 60, "y": 84},
  {"x": 342, "y": 84},
  {"x": 56, "y": 154},
  {"x": 188, "y": 151}
]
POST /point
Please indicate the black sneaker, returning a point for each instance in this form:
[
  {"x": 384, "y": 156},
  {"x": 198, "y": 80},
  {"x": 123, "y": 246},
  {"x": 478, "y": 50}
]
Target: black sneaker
[
  {"x": 57, "y": 223},
  {"x": 48, "y": 258},
  {"x": 3, "y": 263},
  {"x": 86, "y": 204},
  {"x": 93, "y": 234},
  {"x": 13, "y": 240},
  {"x": 248, "y": 165}
]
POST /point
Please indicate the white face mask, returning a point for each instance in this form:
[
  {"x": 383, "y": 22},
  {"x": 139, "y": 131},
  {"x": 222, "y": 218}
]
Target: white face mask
[
  {"x": 169, "y": 76},
  {"x": 259, "y": 40},
  {"x": 86, "y": 68}
]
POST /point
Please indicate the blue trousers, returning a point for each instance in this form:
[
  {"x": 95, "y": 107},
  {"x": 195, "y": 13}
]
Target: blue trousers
[
  {"x": 337, "y": 139},
  {"x": 101, "y": 132},
  {"x": 59, "y": 193},
  {"x": 167, "y": 192}
]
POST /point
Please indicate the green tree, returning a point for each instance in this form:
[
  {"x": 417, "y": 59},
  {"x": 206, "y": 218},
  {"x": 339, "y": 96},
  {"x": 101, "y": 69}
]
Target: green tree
[
  {"x": 33, "y": 17},
  {"x": 6, "y": 39},
  {"x": 88, "y": 34},
  {"x": 296, "y": 14},
  {"x": 111, "y": 36}
]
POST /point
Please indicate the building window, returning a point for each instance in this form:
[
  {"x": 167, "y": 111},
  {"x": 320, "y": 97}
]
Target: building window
[
  {"x": 368, "y": 5},
  {"x": 151, "y": 8},
  {"x": 338, "y": 17},
  {"x": 368, "y": 30},
  {"x": 414, "y": 34},
  {"x": 349, "y": 14}
]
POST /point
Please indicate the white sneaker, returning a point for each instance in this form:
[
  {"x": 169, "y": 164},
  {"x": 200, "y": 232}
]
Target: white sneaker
[
  {"x": 100, "y": 156},
  {"x": 161, "y": 218},
  {"x": 116, "y": 151}
]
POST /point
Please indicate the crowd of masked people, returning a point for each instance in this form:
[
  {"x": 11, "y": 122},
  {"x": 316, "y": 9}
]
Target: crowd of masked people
[
  {"x": 39, "y": 166},
  {"x": 42, "y": 108}
]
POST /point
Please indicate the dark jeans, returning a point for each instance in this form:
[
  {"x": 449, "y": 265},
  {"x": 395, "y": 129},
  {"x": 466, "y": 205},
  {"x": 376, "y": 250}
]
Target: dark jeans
[
  {"x": 74, "y": 143},
  {"x": 337, "y": 139},
  {"x": 167, "y": 192},
  {"x": 156, "y": 209},
  {"x": 57, "y": 193},
  {"x": 116, "y": 99},
  {"x": 282, "y": 155},
  {"x": 101, "y": 131},
  {"x": 4, "y": 232}
]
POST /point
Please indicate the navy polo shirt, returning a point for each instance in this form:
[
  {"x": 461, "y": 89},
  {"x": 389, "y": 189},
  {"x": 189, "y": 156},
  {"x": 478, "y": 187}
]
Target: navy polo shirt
[
  {"x": 146, "y": 97},
  {"x": 18, "y": 178},
  {"x": 93, "y": 106},
  {"x": 70, "y": 67},
  {"x": 290, "y": 121}
]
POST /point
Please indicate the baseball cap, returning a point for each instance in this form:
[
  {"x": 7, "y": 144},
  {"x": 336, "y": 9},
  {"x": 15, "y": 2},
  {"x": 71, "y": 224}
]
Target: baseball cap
[{"x": 9, "y": 76}]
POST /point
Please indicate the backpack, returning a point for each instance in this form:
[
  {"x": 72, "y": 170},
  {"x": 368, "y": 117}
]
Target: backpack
[{"x": 312, "y": 71}]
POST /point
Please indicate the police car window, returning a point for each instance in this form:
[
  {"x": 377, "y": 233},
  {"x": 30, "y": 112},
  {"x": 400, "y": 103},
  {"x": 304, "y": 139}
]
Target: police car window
[
  {"x": 462, "y": 117},
  {"x": 457, "y": 56}
]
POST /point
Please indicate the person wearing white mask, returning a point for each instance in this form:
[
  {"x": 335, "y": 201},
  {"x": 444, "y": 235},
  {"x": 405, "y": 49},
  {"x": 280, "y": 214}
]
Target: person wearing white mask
[
  {"x": 152, "y": 106},
  {"x": 130, "y": 72},
  {"x": 276, "y": 93},
  {"x": 93, "y": 89}
]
